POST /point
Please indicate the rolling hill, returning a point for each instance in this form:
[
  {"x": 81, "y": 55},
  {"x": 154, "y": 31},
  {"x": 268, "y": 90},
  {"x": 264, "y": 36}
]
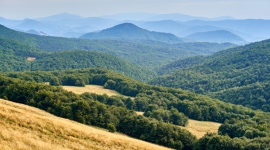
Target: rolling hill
[
  {"x": 14, "y": 58},
  {"x": 218, "y": 36},
  {"x": 25, "y": 127},
  {"x": 239, "y": 75},
  {"x": 87, "y": 59},
  {"x": 144, "y": 53},
  {"x": 132, "y": 32}
]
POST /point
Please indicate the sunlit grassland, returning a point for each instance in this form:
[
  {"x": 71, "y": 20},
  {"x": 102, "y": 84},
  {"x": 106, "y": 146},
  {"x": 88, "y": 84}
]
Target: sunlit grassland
[{"x": 27, "y": 128}]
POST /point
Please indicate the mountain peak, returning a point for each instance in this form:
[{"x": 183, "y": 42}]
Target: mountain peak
[
  {"x": 125, "y": 27},
  {"x": 132, "y": 32}
]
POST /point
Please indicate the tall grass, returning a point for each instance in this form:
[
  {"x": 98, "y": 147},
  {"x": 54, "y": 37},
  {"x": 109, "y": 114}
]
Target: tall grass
[{"x": 27, "y": 128}]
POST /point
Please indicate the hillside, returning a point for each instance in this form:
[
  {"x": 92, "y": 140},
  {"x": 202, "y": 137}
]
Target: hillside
[
  {"x": 24, "y": 127},
  {"x": 218, "y": 36},
  {"x": 15, "y": 56},
  {"x": 239, "y": 75},
  {"x": 87, "y": 59},
  {"x": 252, "y": 126},
  {"x": 88, "y": 109},
  {"x": 145, "y": 95},
  {"x": 180, "y": 64},
  {"x": 132, "y": 32},
  {"x": 140, "y": 52}
]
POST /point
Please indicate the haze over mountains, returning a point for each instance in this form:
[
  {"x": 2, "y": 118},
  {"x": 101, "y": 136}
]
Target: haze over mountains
[{"x": 69, "y": 25}]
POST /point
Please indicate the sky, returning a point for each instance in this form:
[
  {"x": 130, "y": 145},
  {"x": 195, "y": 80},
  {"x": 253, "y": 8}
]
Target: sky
[{"x": 240, "y": 9}]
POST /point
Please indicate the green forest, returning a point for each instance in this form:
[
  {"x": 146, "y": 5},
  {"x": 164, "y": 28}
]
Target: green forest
[
  {"x": 105, "y": 111},
  {"x": 144, "y": 53},
  {"x": 14, "y": 56},
  {"x": 170, "y": 83},
  {"x": 239, "y": 75}
]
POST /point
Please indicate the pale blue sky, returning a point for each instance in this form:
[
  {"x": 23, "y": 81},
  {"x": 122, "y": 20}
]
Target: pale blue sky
[{"x": 242, "y": 9}]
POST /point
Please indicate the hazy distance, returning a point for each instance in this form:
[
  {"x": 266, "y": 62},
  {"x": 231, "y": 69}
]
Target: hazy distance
[{"x": 240, "y": 9}]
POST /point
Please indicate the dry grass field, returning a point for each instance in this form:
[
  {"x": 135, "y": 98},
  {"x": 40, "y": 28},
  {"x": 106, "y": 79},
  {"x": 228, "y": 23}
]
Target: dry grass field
[
  {"x": 31, "y": 58},
  {"x": 199, "y": 128},
  {"x": 91, "y": 89},
  {"x": 27, "y": 128}
]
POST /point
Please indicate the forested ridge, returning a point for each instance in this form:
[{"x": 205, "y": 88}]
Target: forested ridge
[
  {"x": 14, "y": 56},
  {"x": 149, "y": 54},
  {"x": 125, "y": 30},
  {"x": 192, "y": 105},
  {"x": 239, "y": 75},
  {"x": 244, "y": 128}
]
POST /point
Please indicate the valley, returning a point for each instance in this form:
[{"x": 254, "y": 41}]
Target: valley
[{"x": 135, "y": 81}]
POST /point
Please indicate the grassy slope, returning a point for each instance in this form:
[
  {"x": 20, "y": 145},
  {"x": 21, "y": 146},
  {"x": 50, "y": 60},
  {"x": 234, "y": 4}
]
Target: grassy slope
[
  {"x": 91, "y": 89},
  {"x": 24, "y": 127},
  {"x": 200, "y": 128}
]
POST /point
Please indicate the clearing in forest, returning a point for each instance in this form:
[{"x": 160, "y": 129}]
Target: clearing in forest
[
  {"x": 31, "y": 58},
  {"x": 97, "y": 89},
  {"x": 200, "y": 128}
]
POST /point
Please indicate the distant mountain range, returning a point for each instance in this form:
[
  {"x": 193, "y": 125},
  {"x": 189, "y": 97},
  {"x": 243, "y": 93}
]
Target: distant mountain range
[
  {"x": 132, "y": 32},
  {"x": 69, "y": 25},
  {"x": 158, "y": 17}
]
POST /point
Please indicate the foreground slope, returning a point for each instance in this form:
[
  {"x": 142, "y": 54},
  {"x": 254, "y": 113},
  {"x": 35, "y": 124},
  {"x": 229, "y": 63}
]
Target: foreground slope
[
  {"x": 239, "y": 75},
  {"x": 24, "y": 127},
  {"x": 252, "y": 126}
]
